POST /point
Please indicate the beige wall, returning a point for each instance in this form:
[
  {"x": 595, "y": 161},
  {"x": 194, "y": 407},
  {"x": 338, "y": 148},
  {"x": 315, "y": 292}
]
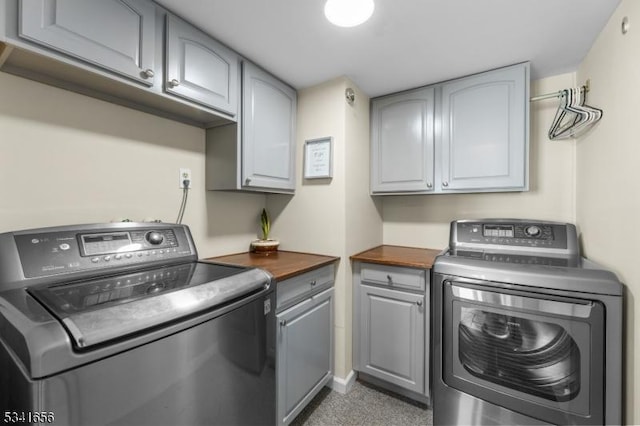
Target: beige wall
[
  {"x": 67, "y": 158},
  {"x": 332, "y": 216},
  {"x": 608, "y": 183},
  {"x": 363, "y": 212},
  {"x": 423, "y": 220},
  {"x": 310, "y": 221}
]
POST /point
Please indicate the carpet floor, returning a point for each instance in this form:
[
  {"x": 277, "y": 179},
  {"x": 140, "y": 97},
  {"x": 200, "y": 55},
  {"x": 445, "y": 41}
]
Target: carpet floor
[{"x": 363, "y": 405}]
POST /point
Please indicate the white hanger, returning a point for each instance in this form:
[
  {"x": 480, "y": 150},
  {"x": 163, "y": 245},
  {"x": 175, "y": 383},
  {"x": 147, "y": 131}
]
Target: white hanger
[
  {"x": 567, "y": 116},
  {"x": 595, "y": 115},
  {"x": 573, "y": 118}
]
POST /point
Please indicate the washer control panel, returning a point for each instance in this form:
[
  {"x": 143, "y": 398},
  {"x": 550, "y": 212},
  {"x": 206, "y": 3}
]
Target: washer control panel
[
  {"x": 126, "y": 241},
  {"x": 508, "y": 234},
  {"x": 514, "y": 234},
  {"x": 67, "y": 250}
]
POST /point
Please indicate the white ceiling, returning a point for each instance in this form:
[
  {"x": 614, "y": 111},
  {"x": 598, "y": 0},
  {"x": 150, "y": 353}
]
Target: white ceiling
[{"x": 407, "y": 43}]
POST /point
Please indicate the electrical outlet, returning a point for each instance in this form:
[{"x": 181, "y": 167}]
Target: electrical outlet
[{"x": 185, "y": 174}]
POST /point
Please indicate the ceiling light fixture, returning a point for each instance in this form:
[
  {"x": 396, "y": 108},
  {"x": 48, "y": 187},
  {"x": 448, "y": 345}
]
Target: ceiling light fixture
[{"x": 348, "y": 13}]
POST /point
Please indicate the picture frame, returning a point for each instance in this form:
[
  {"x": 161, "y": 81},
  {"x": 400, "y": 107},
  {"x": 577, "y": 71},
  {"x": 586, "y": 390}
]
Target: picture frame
[{"x": 318, "y": 158}]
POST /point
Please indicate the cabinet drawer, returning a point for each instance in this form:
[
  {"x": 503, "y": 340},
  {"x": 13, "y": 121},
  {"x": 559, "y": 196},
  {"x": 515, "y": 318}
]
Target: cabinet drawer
[
  {"x": 294, "y": 289},
  {"x": 394, "y": 276}
]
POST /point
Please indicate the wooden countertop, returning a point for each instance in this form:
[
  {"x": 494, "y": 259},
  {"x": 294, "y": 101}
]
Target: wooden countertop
[
  {"x": 280, "y": 264},
  {"x": 399, "y": 256}
]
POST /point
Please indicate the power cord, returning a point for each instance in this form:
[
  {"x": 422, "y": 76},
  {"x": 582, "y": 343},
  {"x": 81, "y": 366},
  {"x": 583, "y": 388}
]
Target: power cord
[{"x": 183, "y": 204}]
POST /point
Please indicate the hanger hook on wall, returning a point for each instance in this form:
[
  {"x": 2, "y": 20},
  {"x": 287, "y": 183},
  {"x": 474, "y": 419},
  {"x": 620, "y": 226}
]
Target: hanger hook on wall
[
  {"x": 350, "y": 94},
  {"x": 624, "y": 27}
]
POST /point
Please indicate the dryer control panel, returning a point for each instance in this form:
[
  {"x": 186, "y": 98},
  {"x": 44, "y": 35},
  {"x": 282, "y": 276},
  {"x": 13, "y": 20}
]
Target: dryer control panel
[{"x": 514, "y": 235}]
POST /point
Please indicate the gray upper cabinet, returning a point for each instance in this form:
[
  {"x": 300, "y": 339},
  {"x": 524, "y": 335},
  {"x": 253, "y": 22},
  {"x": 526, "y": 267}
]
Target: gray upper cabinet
[
  {"x": 402, "y": 142},
  {"x": 115, "y": 34},
  {"x": 485, "y": 131},
  {"x": 258, "y": 154},
  {"x": 268, "y": 131},
  {"x": 464, "y": 135},
  {"x": 200, "y": 69},
  {"x": 130, "y": 52}
]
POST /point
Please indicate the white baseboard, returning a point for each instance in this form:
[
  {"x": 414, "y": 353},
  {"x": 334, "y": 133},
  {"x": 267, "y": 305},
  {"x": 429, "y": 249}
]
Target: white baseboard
[{"x": 343, "y": 385}]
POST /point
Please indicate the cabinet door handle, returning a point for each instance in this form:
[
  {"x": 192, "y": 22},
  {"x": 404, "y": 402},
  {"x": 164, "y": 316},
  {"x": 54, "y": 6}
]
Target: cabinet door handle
[
  {"x": 390, "y": 280},
  {"x": 429, "y": 185},
  {"x": 313, "y": 283},
  {"x": 247, "y": 181},
  {"x": 283, "y": 323},
  {"x": 148, "y": 73},
  {"x": 419, "y": 303},
  {"x": 174, "y": 83},
  {"x": 445, "y": 184}
]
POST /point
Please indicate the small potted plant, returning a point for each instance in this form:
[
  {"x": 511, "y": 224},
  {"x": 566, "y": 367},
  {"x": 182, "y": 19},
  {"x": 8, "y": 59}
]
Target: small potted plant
[{"x": 265, "y": 244}]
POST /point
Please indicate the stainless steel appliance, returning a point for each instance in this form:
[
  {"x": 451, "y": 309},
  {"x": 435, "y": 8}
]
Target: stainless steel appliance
[
  {"x": 120, "y": 324},
  {"x": 525, "y": 330}
]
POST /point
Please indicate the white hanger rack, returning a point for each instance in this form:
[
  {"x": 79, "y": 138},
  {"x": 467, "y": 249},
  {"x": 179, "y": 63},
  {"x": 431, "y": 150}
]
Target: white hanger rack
[
  {"x": 573, "y": 117},
  {"x": 560, "y": 93}
]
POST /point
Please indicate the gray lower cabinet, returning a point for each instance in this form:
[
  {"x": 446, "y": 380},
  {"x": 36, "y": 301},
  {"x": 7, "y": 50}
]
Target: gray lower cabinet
[
  {"x": 465, "y": 135},
  {"x": 304, "y": 348},
  {"x": 114, "y": 34},
  {"x": 391, "y": 328},
  {"x": 200, "y": 69},
  {"x": 258, "y": 154}
]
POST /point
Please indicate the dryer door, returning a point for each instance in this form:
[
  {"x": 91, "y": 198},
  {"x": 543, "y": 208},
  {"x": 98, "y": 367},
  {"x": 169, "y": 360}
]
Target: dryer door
[{"x": 538, "y": 355}]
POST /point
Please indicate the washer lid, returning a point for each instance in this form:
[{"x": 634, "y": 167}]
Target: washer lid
[{"x": 99, "y": 310}]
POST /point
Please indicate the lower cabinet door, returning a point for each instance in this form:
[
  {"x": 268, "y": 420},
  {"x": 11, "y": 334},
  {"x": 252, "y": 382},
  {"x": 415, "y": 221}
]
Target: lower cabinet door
[
  {"x": 304, "y": 353},
  {"x": 392, "y": 336}
]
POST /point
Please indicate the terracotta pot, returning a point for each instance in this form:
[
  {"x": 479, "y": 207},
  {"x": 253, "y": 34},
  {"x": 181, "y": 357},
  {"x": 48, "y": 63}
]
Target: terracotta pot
[{"x": 264, "y": 246}]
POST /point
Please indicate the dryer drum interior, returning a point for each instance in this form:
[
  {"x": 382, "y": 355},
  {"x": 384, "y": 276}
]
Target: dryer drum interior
[{"x": 535, "y": 357}]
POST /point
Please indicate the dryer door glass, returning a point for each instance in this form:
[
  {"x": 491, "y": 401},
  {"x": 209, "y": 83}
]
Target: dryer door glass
[
  {"x": 535, "y": 357},
  {"x": 528, "y": 352}
]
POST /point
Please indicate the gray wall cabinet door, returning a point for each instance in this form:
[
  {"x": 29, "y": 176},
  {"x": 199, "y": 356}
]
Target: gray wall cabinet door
[
  {"x": 199, "y": 68},
  {"x": 485, "y": 131},
  {"x": 304, "y": 361},
  {"x": 402, "y": 142},
  {"x": 118, "y": 35},
  {"x": 392, "y": 336},
  {"x": 268, "y": 131}
]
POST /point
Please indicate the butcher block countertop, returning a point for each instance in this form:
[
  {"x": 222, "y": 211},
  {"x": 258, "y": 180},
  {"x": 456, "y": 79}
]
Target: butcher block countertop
[
  {"x": 399, "y": 256},
  {"x": 280, "y": 264}
]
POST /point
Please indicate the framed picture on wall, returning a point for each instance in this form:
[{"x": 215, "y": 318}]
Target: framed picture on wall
[{"x": 318, "y": 158}]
